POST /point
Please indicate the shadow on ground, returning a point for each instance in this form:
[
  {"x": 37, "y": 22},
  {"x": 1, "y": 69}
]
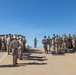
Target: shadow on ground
[
  {"x": 57, "y": 53},
  {"x": 8, "y": 66},
  {"x": 35, "y": 51},
  {"x": 62, "y": 52},
  {"x": 37, "y": 58},
  {"x": 21, "y": 64},
  {"x": 33, "y": 63},
  {"x": 27, "y": 56}
]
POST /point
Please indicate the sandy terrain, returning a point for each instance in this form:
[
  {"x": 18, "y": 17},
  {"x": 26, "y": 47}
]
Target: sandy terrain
[{"x": 39, "y": 63}]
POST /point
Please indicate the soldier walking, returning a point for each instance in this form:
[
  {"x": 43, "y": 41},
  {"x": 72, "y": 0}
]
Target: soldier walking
[{"x": 14, "y": 46}]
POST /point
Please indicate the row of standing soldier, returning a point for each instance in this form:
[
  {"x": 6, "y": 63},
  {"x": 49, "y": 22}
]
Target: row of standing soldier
[
  {"x": 58, "y": 43},
  {"x": 15, "y": 43}
]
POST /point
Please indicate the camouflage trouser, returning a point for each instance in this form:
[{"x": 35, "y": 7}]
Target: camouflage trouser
[
  {"x": 15, "y": 55},
  {"x": 74, "y": 45},
  {"x": 65, "y": 46},
  {"x": 35, "y": 45},
  {"x": 53, "y": 46},
  {"x": 8, "y": 48},
  {"x": 57, "y": 46},
  {"x": 45, "y": 48},
  {"x": 20, "y": 53},
  {"x": 24, "y": 47},
  {"x": 0, "y": 45},
  {"x": 49, "y": 46},
  {"x": 60, "y": 46},
  {"x": 3, "y": 46}
]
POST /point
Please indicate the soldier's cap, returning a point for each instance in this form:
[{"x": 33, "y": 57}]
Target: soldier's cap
[
  {"x": 3, "y": 34},
  {"x": 22, "y": 35},
  {"x": 64, "y": 34},
  {"x": 68, "y": 34},
  {"x": 44, "y": 36},
  {"x": 9, "y": 34},
  {"x": 48, "y": 36},
  {"x": 6, "y": 34},
  {"x": 57, "y": 35},
  {"x": 15, "y": 34},
  {"x": 19, "y": 35}
]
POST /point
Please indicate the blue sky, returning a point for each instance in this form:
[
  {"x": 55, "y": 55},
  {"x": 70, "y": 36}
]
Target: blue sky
[{"x": 36, "y": 18}]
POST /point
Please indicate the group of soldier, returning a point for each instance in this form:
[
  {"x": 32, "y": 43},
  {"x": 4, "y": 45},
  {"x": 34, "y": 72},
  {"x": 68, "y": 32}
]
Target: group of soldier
[
  {"x": 13, "y": 43},
  {"x": 17, "y": 44},
  {"x": 59, "y": 43}
]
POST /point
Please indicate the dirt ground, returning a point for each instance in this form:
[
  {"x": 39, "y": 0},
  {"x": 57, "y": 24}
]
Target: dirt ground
[{"x": 36, "y": 62}]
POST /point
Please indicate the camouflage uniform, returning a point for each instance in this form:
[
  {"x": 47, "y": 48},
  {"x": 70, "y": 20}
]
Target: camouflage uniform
[
  {"x": 0, "y": 43},
  {"x": 24, "y": 43},
  {"x": 20, "y": 49},
  {"x": 35, "y": 42},
  {"x": 74, "y": 41},
  {"x": 44, "y": 42},
  {"x": 8, "y": 44},
  {"x": 56, "y": 42},
  {"x": 49, "y": 42},
  {"x": 60, "y": 42},
  {"x": 53, "y": 41},
  {"x": 14, "y": 47},
  {"x": 3, "y": 42},
  {"x": 65, "y": 43},
  {"x": 69, "y": 41}
]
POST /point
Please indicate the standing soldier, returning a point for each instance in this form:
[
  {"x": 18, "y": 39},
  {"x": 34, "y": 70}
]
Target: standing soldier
[
  {"x": 0, "y": 43},
  {"x": 69, "y": 41},
  {"x": 24, "y": 43},
  {"x": 14, "y": 46},
  {"x": 60, "y": 42},
  {"x": 8, "y": 44},
  {"x": 49, "y": 42},
  {"x": 20, "y": 49},
  {"x": 65, "y": 43},
  {"x": 3, "y": 42},
  {"x": 44, "y": 42},
  {"x": 53, "y": 41},
  {"x": 74, "y": 41},
  {"x": 35, "y": 42},
  {"x": 11, "y": 38},
  {"x": 57, "y": 43}
]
